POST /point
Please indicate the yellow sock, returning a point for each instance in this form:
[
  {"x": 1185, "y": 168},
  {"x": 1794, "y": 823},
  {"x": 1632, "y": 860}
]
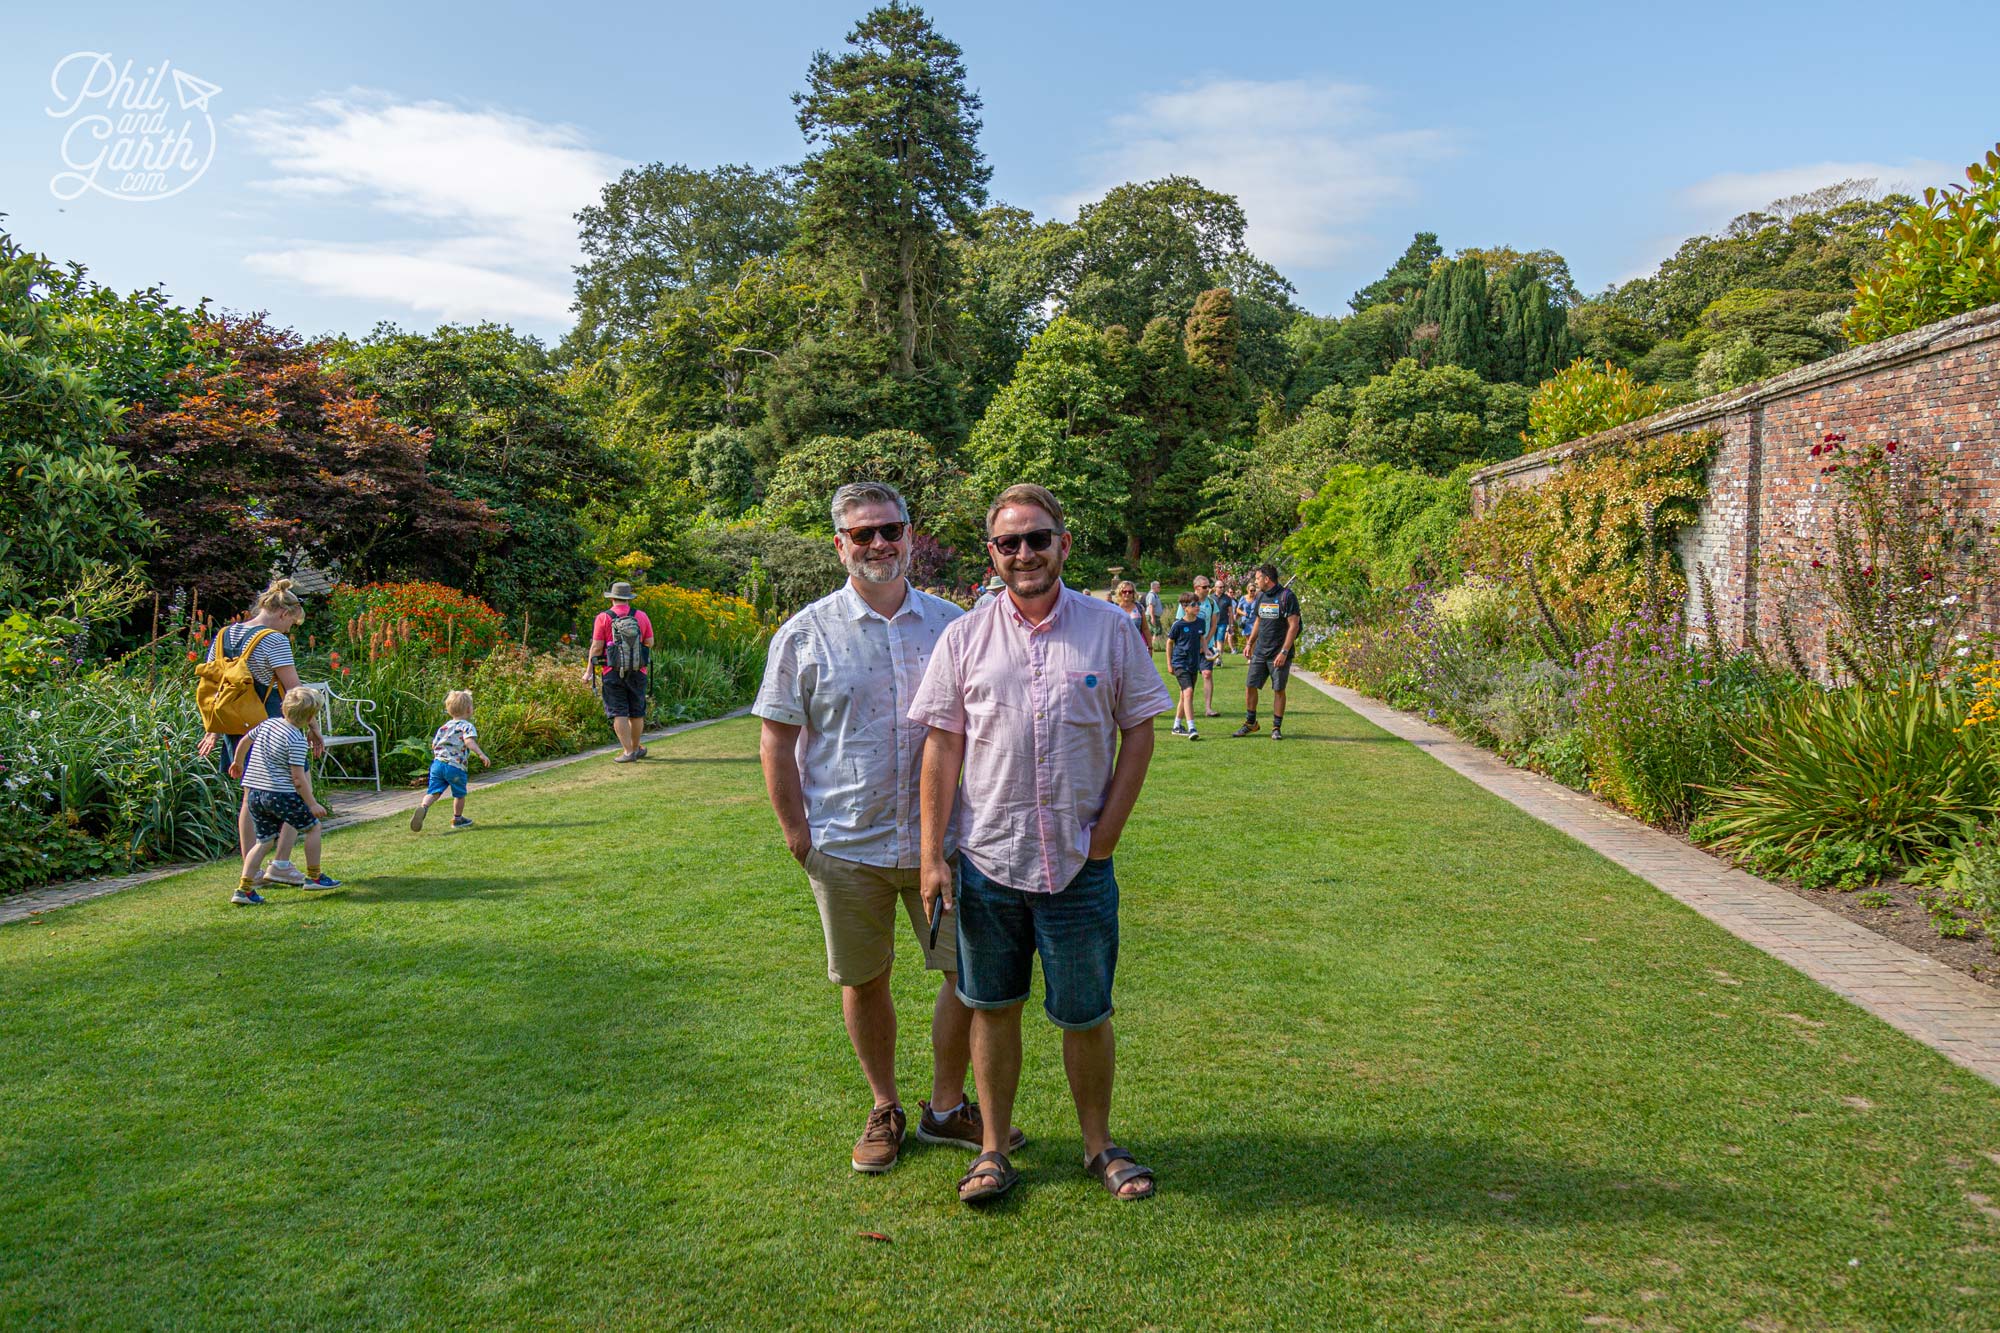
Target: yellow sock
[
  {"x": 312, "y": 872},
  {"x": 248, "y": 883}
]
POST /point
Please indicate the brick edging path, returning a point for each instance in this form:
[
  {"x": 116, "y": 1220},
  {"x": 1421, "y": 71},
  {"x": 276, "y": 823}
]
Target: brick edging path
[
  {"x": 1916, "y": 995},
  {"x": 358, "y": 809}
]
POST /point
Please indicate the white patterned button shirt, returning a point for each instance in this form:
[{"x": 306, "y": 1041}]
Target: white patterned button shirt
[{"x": 845, "y": 676}]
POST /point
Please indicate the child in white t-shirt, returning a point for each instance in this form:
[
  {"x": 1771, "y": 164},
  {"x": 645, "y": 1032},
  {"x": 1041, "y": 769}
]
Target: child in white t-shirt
[{"x": 449, "y": 764}]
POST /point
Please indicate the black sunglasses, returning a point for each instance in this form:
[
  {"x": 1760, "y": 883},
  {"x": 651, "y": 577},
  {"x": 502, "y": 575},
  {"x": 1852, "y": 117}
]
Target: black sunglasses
[
  {"x": 1038, "y": 540},
  {"x": 891, "y": 532}
]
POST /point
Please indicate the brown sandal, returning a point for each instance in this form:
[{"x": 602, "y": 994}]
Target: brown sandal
[
  {"x": 994, "y": 1168},
  {"x": 1114, "y": 1180}
]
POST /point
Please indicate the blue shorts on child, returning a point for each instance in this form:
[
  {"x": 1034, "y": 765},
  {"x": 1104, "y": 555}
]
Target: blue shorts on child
[{"x": 446, "y": 778}]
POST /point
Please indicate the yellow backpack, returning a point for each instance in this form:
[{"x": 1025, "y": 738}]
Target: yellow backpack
[{"x": 227, "y": 696}]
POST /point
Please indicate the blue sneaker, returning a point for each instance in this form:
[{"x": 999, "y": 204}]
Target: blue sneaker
[
  {"x": 248, "y": 898},
  {"x": 461, "y": 822},
  {"x": 321, "y": 881}
]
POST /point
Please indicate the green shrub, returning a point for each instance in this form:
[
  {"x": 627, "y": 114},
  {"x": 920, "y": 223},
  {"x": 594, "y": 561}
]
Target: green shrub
[
  {"x": 1886, "y": 768},
  {"x": 1837, "y": 863},
  {"x": 1969, "y": 873},
  {"x": 1532, "y": 702},
  {"x": 1379, "y": 659},
  {"x": 1584, "y": 398},
  {"x": 1563, "y": 755},
  {"x": 1940, "y": 259},
  {"x": 98, "y": 773},
  {"x": 1657, "y": 714},
  {"x": 1374, "y": 528},
  {"x": 1478, "y": 606}
]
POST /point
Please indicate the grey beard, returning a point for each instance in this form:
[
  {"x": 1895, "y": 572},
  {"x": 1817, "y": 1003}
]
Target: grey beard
[{"x": 877, "y": 571}]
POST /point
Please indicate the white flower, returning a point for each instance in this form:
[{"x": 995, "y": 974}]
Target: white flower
[
  {"x": 1961, "y": 652},
  {"x": 1951, "y": 600},
  {"x": 1929, "y": 621},
  {"x": 1963, "y": 637}
]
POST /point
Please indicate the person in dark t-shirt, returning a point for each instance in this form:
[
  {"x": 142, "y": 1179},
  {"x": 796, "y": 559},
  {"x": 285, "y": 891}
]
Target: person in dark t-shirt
[
  {"x": 1274, "y": 629},
  {"x": 1186, "y": 641}
]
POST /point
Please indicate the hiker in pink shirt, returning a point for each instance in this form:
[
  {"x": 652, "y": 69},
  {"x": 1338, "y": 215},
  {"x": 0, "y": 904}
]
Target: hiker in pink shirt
[{"x": 1046, "y": 699}]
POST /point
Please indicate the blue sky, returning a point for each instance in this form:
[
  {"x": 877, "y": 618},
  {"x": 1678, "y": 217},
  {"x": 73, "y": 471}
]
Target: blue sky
[{"x": 419, "y": 163}]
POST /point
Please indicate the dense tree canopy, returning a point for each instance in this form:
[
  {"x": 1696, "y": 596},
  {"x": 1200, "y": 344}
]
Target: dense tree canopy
[
  {"x": 661, "y": 233},
  {"x": 749, "y": 337},
  {"x": 71, "y": 501},
  {"x": 502, "y": 432}
]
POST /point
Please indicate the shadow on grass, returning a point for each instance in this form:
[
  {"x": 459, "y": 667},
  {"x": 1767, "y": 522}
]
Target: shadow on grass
[
  {"x": 1427, "y": 1177},
  {"x": 498, "y": 823},
  {"x": 712, "y": 759},
  {"x": 424, "y": 888}
]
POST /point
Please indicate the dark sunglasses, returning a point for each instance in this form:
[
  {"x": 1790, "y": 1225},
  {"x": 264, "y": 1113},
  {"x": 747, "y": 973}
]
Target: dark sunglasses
[
  {"x": 1038, "y": 540},
  {"x": 891, "y": 532}
]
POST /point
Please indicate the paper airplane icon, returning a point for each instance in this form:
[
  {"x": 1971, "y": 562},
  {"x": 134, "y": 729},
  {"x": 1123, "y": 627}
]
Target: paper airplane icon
[{"x": 194, "y": 93}]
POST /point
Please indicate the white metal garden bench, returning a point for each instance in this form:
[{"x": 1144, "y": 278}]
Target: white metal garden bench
[{"x": 343, "y": 726}]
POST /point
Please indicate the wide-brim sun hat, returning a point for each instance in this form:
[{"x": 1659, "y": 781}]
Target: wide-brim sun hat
[
  {"x": 621, "y": 592},
  {"x": 995, "y": 584}
]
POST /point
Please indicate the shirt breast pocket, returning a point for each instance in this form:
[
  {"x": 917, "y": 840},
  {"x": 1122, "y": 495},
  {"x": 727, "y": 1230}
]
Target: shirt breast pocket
[{"x": 1086, "y": 697}]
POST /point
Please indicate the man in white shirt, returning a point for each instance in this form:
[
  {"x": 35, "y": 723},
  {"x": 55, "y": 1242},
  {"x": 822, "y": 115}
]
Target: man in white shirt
[{"x": 842, "y": 762}]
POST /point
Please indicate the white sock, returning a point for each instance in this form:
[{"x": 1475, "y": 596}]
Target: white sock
[
  {"x": 947, "y": 1113},
  {"x": 283, "y": 865}
]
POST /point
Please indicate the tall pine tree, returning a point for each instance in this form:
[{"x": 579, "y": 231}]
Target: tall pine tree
[{"x": 898, "y": 167}]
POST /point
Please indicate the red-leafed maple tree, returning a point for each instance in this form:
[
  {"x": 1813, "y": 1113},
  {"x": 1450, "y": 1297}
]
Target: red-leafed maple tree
[{"x": 277, "y": 455}]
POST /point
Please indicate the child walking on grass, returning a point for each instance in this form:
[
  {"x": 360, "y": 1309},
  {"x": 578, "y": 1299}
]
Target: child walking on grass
[
  {"x": 449, "y": 764},
  {"x": 271, "y": 762},
  {"x": 1187, "y": 655}
]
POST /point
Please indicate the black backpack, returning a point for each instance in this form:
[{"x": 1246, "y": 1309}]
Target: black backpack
[{"x": 626, "y": 653}]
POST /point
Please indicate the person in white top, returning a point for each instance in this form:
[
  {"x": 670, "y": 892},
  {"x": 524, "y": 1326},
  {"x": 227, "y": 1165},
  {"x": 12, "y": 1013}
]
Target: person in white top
[{"x": 842, "y": 762}]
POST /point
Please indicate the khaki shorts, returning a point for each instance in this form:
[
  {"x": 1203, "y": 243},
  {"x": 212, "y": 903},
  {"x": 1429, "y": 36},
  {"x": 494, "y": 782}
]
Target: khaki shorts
[{"x": 857, "y": 909}]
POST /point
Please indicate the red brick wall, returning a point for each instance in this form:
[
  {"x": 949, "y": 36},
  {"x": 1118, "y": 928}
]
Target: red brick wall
[{"x": 1936, "y": 390}]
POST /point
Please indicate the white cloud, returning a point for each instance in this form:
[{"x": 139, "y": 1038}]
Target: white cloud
[
  {"x": 1714, "y": 201},
  {"x": 1309, "y": 160},
  {"x": 482, "y": 202}
]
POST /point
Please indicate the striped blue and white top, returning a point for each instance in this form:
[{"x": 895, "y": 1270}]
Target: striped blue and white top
[
  {"x": 274, "y": 650},
  {"x": 275, "y": 745}
]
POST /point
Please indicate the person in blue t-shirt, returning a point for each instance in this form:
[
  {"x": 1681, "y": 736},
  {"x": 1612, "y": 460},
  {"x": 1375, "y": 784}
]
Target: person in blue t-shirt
[{"x": 1185, "y": 656}]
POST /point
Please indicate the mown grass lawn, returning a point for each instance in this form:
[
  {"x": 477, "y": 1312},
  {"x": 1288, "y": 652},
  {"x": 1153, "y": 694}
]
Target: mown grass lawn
[{"x": 1402, "y": 1057}]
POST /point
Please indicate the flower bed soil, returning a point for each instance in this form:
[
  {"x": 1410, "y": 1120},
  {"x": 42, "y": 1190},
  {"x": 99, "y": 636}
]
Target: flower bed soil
[{"x": 1906, "y": 922}]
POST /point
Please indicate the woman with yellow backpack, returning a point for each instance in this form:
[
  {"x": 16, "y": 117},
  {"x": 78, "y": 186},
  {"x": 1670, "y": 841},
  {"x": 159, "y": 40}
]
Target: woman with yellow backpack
[{"x": 249, "y": 668}]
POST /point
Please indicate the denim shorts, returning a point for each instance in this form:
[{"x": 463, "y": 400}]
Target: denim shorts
[
  {"x": 446, "y": 778},
  {"x": 1000, "y": 930},
  {"x": 270, "y": 811}
]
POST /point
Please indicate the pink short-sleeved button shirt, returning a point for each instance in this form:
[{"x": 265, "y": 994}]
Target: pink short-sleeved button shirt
[{"x": 1040, "y": 707}]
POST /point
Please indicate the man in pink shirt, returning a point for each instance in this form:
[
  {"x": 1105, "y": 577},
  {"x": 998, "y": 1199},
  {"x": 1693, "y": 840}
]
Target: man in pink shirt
[{"x": 1045, "y": 699}]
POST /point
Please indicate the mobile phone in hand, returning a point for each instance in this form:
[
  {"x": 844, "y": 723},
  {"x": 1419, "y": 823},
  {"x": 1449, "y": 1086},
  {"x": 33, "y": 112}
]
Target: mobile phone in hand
[{"x": 937, "y": 906}]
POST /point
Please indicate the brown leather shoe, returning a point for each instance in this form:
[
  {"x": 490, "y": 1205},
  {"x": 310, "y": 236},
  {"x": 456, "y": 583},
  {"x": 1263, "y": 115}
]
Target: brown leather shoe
[
  {"x": 879, "y": 1145},
  {"x": 963, "y": 1128}
]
